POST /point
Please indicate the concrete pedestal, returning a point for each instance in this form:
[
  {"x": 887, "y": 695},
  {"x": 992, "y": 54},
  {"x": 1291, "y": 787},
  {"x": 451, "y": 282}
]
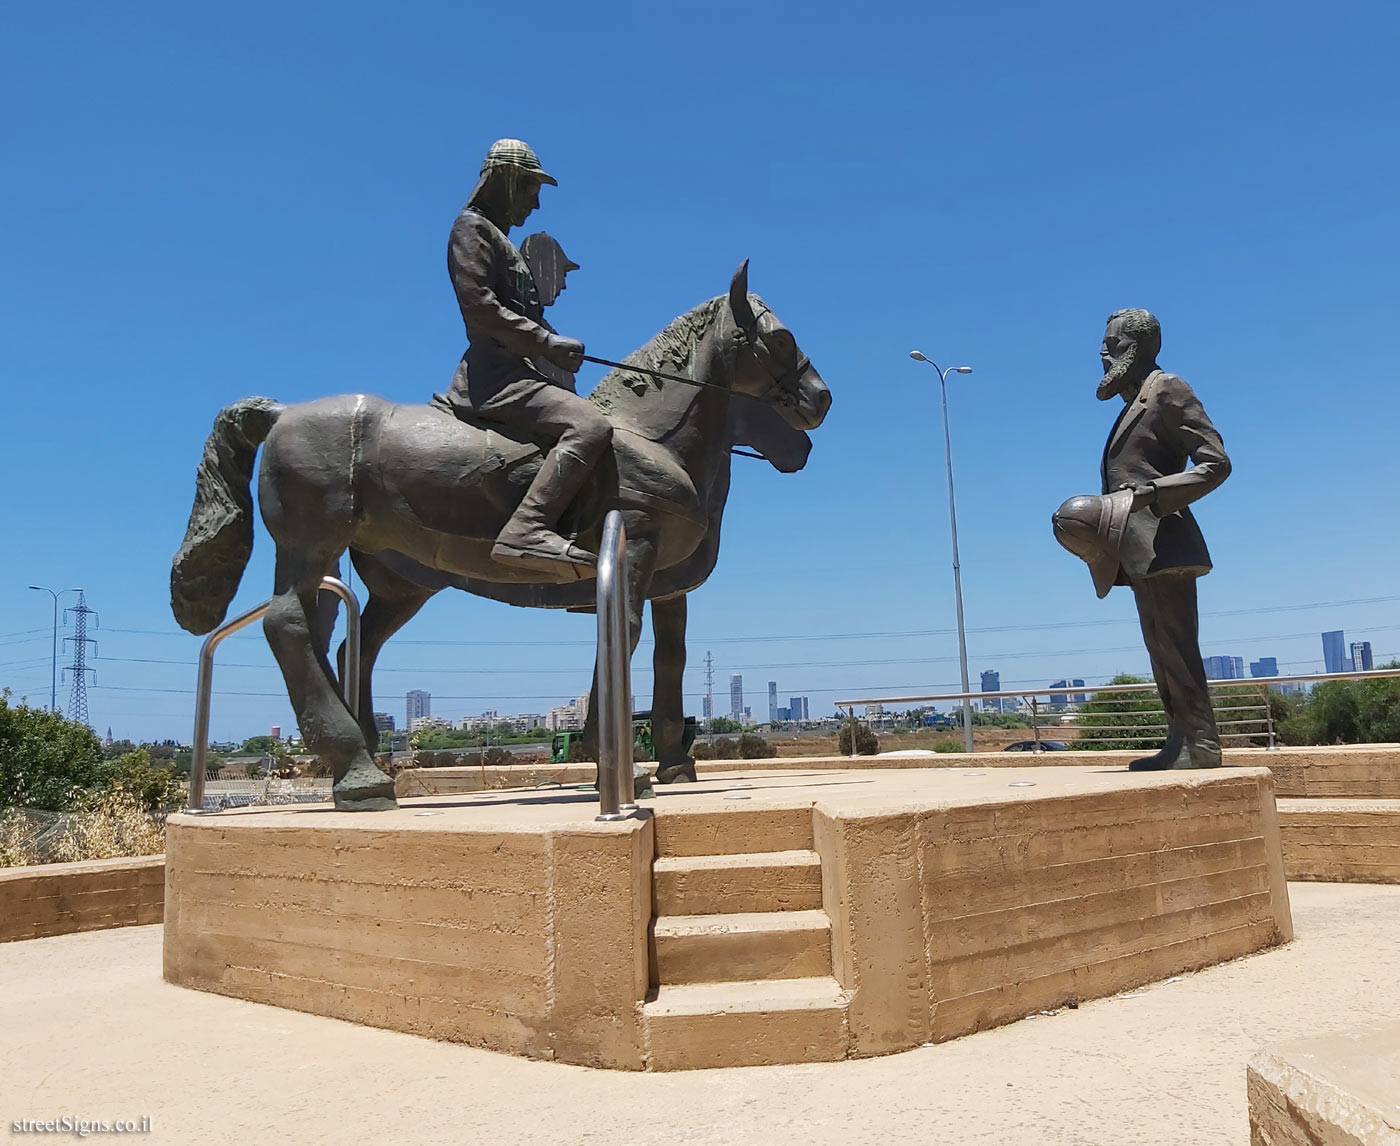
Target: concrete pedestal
[{"x": 751, "y": 918}]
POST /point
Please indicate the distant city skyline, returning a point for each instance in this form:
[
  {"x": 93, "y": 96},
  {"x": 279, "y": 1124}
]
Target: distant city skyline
[
  {"x": 1224, "y": 667},
  {"x": 1361, "y": 659},
  {"x": 1334, "y": 651}
]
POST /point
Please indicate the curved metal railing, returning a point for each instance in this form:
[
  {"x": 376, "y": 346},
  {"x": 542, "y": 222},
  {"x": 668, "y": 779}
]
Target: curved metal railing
[{"x": 350, "y": 685}]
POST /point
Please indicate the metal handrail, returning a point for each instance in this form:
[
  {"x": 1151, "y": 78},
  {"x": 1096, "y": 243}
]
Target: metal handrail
[
  {"x": 616, "y": 791},
  {"x": 204, "y": 684},
  {"x": 1126, "y": 732},
  {"x": 1085, "y": 690}
]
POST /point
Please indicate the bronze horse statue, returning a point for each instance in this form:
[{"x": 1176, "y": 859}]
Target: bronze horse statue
[{"x": 418, "y": 496}]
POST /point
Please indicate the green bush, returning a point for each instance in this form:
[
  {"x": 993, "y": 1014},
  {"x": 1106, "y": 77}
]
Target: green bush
[
  {"x": 46, "y": 760},
  {"x": 155, "y": 787},
  {"x": 1104, "y": 722},
  {"x": 948, "y": 746},
  {"x": 702, "y": 750},
  {"x": 866, "y": 742},
  {"x": 726, "y": 748},
  {"x": 1342, "y": 712},
  {"x": 755, "y": 747}
]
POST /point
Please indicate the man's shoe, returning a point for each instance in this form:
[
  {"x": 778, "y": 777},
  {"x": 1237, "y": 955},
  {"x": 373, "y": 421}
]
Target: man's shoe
[
  {"x": 1170, "y": 755},
  {"x": 543, "y": 551},
  {"x": 1204, "y": 753}
]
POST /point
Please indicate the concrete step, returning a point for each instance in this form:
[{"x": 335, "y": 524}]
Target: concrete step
[
  {"x": 730, "y": 830},
  {"x": 746, "y": 945},
  {"x": 1341, "y": 841},
  {"x": 746, "y": 1023},
  {"x": 728, "y": 884}
]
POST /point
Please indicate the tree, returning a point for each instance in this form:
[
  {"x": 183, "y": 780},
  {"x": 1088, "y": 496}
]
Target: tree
[
  {"x": 259, "y": 745},
  {"x": 866, "y": 742},
  {"x": 46, "y": 760},
  {"x": 1112, "y": 720},
  {"x": 117, "y": 748},
  {"x": 755, "y": 747},
  {"x": 154, "y": 786},
  {"x": 723, "y": 724},
  {"x": 1343, "y": 712}
]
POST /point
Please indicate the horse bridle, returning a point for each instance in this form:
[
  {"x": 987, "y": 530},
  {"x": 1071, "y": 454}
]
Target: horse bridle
[{"x": 783, "y": 383}]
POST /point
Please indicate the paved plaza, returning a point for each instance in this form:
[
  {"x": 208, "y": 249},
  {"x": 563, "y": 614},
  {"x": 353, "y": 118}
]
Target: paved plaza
[{"x": 91, "y": 1030}]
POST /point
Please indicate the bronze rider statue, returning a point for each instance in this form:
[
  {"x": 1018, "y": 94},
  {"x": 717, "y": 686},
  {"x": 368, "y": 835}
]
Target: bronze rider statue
[{"x": 504, "y": 377}]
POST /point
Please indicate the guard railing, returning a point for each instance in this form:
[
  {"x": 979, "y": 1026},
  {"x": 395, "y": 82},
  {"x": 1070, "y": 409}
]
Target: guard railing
[
  {"x": 204, "y": 684},
  {"x": 1118, "y": 717}
]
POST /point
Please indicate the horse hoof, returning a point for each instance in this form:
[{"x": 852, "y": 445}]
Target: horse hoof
[
  {"x": 364, "y": 788},
  {"x": 366, "y": 803},
  {"x": 676, "y": 774}
]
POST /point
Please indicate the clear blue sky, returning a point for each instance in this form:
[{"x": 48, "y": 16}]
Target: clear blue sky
[{"x": 205, "y": 202}]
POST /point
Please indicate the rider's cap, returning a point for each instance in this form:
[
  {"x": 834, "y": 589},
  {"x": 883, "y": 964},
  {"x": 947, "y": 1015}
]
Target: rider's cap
[
  {"x": 516, "y": 153},
  {"x": 1091, "y": 527}
]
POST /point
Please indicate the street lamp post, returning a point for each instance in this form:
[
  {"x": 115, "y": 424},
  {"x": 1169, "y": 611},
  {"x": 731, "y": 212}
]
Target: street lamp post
[
  {"x": 53, "y": 672},
  {"x": 953, "y": 521}
]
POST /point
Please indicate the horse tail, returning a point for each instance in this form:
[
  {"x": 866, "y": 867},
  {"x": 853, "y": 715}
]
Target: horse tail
[{"x": 219, "y": 538}]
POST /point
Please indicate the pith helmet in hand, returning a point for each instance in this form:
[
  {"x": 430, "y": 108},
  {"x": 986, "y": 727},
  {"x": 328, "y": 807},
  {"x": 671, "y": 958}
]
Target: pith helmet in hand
[{"x": 1091, "y": 527}]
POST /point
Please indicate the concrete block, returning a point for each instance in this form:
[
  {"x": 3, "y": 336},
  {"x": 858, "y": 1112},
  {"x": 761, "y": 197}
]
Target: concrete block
[
  {"x": 746, "y": 1024},
  {"x": 752, "y": 881},
  {"x": 61, "y": 898},
  {"x": 1341, "y": 841},
  {"x": 755, "y": 945},
  {"x": 1335, "y": 1090}
]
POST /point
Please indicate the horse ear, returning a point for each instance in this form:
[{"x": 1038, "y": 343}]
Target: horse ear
[{"x": 739, "y": 298}]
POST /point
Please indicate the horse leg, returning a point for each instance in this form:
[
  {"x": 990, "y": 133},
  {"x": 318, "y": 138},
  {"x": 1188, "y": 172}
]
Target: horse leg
[
  {"x": 673, "y": 763},
  {"x": 293, "y": 628},
  {"x": 392, "y": 604}
]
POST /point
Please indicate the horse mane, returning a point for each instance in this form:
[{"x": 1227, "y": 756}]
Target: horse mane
[{"x": 672, "y": 351}]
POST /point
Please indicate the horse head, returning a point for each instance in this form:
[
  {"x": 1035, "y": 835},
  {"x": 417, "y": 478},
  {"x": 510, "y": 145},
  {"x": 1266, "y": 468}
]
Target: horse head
[
  {"x": 770, "y": 366},
  {"x": 763, "y": 428}
]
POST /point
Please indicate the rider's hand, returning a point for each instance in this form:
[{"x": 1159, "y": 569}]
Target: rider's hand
[
  {"x": 1144, "y": 494},
  {"x": 565, "y": 353}
]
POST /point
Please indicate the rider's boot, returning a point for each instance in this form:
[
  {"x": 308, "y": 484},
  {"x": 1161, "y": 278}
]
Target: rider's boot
[{"x": 529, "y": 539}]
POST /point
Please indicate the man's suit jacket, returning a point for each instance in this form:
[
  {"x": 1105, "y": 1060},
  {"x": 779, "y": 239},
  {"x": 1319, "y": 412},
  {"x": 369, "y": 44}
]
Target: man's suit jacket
[{"x": 1155, "y": 437}]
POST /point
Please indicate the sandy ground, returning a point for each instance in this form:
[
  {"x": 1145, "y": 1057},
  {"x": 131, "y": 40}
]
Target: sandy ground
[{"x": 88, "y": 1028}]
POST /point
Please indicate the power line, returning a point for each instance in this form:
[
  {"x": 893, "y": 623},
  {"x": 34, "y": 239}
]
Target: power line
[
  {"x": 774, "y": 665},
  {"x": 873, "y": 635}
]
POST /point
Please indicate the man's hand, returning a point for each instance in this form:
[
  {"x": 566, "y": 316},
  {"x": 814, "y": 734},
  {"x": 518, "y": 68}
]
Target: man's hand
[
  {"x": 1144, "y": 494},
  {"x": 565, "y": 353}
]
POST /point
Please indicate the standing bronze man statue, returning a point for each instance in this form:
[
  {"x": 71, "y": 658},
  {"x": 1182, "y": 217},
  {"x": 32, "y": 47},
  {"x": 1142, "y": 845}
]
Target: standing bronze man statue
[
  {"x": 1162, "y": 454},
  {"x": 504, "y": 376}
]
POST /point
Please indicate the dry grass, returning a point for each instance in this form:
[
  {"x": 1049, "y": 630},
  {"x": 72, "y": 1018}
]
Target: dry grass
[{"x": 115, "y": 826}]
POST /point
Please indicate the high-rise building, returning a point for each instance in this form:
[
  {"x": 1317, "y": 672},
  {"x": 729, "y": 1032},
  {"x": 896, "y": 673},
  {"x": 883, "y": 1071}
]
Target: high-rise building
[
  {"x": 797, "y": 708},
  {"x": 384, "y": 721},
  {"x": 419, "y": 703},
  {"x": 1264, "y": 666},
  {"x": 1063, "y": 698},
  {"x": 772, "y": 701},
  {"x": 1361, "y": 660},
  {"x": 736, "y": 696},
  {"x": 991, "y": 682},
  {"x": 1334, "y": 651},
  {"x": 1224, "y": 668}
]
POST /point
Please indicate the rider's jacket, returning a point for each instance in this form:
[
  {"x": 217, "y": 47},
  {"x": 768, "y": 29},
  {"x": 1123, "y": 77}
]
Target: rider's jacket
[{"x": 506, "y": 331}]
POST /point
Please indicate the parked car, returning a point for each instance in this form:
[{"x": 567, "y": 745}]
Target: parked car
[{"x": 1032, "y": 746}]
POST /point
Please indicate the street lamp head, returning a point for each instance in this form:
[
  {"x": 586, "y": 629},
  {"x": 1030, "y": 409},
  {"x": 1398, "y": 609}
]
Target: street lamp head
[
  {"x": 962, "y": 369},
  {"x": 917, "y": 356}
]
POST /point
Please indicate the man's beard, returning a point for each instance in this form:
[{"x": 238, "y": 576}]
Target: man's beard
[{"x": 1117, "y": 378}]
